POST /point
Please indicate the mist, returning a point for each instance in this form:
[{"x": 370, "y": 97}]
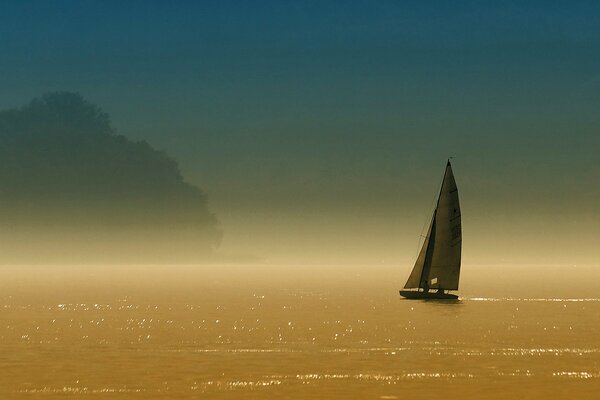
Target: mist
[{"x": 75, "y": 190}]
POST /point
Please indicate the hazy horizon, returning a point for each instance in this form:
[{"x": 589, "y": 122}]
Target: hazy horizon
[{"x": 370, "y": 226}]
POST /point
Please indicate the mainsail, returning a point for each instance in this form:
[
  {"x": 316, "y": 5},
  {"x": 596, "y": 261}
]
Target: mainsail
[{"x": 438, "y": 263}]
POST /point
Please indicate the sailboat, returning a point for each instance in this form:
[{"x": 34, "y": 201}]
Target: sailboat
[{"x": 437, "y": 268}]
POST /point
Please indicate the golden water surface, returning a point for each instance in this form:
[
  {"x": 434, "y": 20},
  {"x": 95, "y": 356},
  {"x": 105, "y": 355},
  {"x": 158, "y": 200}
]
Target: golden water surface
[{"x": 271, "y": 331}]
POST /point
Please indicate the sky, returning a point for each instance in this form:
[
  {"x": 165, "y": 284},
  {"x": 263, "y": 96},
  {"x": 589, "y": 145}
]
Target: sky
[{"x": 320, "y": 130}]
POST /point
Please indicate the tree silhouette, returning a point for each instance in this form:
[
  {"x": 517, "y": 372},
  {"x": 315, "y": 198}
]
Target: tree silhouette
[{"x": 63, "y": 165}]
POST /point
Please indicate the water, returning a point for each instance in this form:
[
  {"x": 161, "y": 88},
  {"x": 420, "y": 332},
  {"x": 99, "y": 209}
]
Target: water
[{"x": 292, "y": 332}]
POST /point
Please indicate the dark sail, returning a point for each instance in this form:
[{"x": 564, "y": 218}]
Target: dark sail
[{"x": 438, "y": 263}]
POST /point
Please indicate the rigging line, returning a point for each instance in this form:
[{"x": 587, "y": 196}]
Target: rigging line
[{"x": 423, "y": 233}]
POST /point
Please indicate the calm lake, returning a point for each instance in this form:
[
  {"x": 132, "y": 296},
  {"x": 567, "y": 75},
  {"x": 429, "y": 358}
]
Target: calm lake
[{"x": 295, "y": 332}]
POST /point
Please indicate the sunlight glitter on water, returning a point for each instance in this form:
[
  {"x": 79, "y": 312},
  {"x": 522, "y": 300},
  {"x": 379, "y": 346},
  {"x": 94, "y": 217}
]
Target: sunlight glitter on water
[
  {"x": 528, "y": 299},
  {"x": 150, "y": 341},
  {"x": 79, "y": 390}
]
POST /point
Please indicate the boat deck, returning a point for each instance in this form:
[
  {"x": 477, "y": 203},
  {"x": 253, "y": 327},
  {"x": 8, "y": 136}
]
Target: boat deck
[{"x": 413, "y": 294}]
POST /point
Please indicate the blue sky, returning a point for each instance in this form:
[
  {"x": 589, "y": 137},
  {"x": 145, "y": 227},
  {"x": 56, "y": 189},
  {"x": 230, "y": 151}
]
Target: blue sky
[{"x": 327, "y": 106}]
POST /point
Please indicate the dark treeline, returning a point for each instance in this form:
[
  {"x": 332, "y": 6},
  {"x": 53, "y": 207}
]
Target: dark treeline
[{"x": 64, "y": 169}]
